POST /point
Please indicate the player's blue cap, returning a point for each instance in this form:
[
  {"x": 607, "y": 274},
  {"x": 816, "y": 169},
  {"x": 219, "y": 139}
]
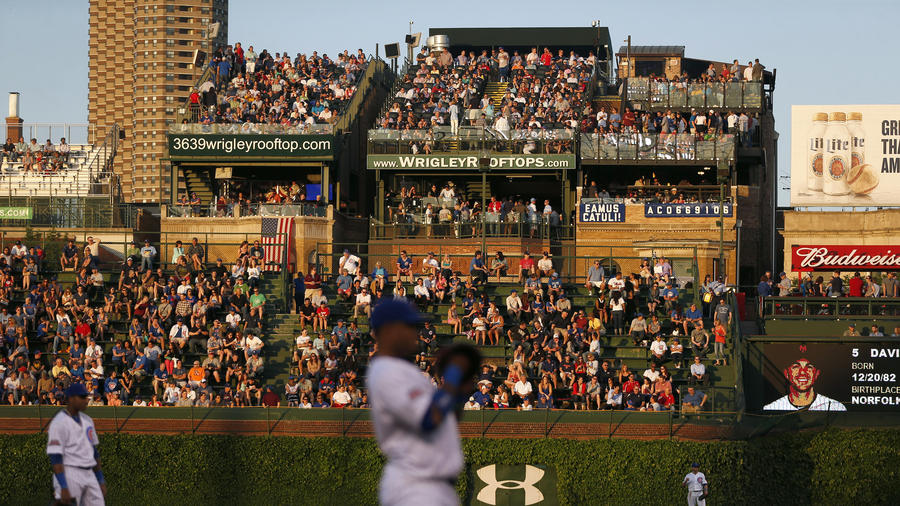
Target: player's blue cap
[
  {"x": 76, "y": 389},
  {"x": 695, "y": 465},
  {"x": 392, "y": 311}
]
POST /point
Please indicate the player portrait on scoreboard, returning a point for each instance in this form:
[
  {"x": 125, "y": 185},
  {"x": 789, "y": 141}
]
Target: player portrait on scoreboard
[{"x": 801, "y": 376}]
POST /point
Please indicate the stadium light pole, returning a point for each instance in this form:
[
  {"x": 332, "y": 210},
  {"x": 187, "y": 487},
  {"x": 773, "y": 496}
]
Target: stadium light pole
[
  {"x": 409, "y": 48},
  {"x": 484, "y": 164}
]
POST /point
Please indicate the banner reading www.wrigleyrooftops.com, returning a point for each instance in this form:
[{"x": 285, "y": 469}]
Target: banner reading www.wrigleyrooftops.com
[
  {"x": 466, "y": 162},
  {"x": 249, "y": 146}
]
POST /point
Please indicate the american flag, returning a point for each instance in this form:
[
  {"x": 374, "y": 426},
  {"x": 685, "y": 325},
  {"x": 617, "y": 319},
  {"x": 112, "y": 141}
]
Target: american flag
[{"x": 277, "y": 241}]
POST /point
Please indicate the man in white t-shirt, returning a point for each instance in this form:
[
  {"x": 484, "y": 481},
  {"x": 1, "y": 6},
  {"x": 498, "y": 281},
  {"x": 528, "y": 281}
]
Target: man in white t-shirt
[
  {"x": 349, "y": 262},
  {"x": 651, "y": 373},
  {"x": 522, "y": 389},
  {"x": 363, "y": 303},
  {"x": 617, "y": 284},
  {"x": 415, "y": 423},
  {"x": 430, "y": 265},
  {"x": 697, "y": 486}
]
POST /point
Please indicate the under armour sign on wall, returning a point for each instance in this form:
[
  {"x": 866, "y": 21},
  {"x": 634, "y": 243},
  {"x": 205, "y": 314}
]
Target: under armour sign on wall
[{"x": 500, "y": 485}]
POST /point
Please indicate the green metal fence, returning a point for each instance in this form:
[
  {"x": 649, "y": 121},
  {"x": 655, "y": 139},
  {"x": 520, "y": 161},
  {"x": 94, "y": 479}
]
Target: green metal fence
[
  {"x": 671, "y": 147},
  {"x": 678, "y": 95},
  {"x": 75, "y": 212},
  {"x": 827, "y": 308}
]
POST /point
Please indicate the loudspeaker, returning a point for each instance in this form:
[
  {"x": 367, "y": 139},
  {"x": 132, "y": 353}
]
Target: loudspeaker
[
  {"x": 392, "y": 50},
  {"x": 199, "y": 58}
]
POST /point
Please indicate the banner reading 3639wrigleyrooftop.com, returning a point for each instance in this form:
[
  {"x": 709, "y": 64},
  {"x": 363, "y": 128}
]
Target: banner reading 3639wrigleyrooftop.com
[{"x": 845, "y": 155}]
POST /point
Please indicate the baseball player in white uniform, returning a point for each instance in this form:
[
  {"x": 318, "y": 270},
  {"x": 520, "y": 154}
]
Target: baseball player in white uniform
[
  {"x": 72, "y": 447},
  {"x": 415, "y": 423},
  {"x": 697, "y": 486}
]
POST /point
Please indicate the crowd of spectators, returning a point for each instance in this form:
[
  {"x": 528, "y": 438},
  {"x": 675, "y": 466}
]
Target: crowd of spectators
[
  {"x": 251, "y": 87},
  {"x": 652, "y": 190},
  {"x": 447, "y": 211},
  {"x": 180, "y": 331},
  {"x": 698, "y": 123},
  {"x": 875, "y": 285},
  {"x": 249, "y": 200},
  {"x": 557, "y": 347},
  {"x": 37, "y": 158},
  {"x": 437, "y": 93},
  {"x": 544, "y": 91}
]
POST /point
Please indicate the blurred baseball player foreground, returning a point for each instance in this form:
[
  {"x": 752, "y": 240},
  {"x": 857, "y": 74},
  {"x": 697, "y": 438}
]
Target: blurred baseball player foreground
[
  {"x": 415, "y": 422},
  {"x": 72, "y": 447}
]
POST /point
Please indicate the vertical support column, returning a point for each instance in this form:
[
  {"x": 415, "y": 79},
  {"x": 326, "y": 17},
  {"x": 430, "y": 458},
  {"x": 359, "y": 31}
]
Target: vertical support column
[
  {"x": 379, "y": 197},
  {"x": 173, "y": 184},
  {"x": 325, "y": 171},
  {"x": 566, "y": 210}
]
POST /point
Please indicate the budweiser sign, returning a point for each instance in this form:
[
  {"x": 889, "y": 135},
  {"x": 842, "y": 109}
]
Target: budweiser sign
[{"x": 845, "y": 258}]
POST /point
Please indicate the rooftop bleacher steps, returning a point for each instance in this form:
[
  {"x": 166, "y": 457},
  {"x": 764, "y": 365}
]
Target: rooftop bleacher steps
[
  {"x": 474, "y": 190},
  {"x": 495, "y": 91},
  {"x": 197, "y": 181},
  {"x": 75, "y": 179},
  {"x": 610, "y": 102}
]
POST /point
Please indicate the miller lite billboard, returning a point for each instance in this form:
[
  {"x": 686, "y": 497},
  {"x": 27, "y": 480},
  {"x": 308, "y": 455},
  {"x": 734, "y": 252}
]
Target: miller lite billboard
[{"x": 845, "y": 155}]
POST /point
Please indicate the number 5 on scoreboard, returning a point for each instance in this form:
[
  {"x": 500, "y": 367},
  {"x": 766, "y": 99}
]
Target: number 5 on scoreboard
[{"x": 855, "y": 352}]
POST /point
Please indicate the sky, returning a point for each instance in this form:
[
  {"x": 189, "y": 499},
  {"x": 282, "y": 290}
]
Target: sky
[{"x": 826, "y": 52}]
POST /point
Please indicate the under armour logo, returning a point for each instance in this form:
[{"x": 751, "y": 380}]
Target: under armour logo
[{"x": 488, "y": 475}]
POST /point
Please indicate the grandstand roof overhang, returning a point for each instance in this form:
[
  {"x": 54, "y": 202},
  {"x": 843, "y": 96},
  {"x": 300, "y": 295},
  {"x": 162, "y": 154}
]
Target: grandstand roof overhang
[
  {"x": 554, "y": 37},
  {"x": 651, "y": 51}
]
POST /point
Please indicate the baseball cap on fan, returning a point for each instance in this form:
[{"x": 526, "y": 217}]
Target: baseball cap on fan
[{"x": 394, "y": 311}]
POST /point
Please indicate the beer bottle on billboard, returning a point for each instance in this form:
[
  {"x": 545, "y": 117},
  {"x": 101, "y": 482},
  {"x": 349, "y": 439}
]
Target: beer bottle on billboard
[
  {"x": 837, "y": 155},
  {"x": 816, "y": 152},
  {"x": 857, "y": 139}
]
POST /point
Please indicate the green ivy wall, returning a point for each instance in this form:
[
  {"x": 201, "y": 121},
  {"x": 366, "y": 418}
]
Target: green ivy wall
[{"x": 831, "y": 467}]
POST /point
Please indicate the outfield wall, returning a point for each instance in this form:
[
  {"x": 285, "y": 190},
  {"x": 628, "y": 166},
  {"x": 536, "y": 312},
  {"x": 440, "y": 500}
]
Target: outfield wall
[{"x": 797, "y": 468}]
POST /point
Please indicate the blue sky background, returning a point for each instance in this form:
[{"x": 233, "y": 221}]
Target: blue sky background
[{"x": 826, "y": 52}]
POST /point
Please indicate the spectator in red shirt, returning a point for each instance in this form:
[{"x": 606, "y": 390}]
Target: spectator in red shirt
[
  {"x": 628, "y": 119},
  {"x": 82, "y": 330},
  {"x": 856, "y": 285},
  {"x": 322, "y": 314},
  {"x": 270, "y": 399},
  {"x": 631, "y": 385},
  {"x": 313, "y": 283},
  {"x": 526, "y": 267},
  {"x": 547, "y": 57}
]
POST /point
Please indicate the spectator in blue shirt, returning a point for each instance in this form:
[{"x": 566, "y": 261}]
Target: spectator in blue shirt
[
  {"x": 160, "y": 375},
  {"x": 477, "y": 269},
  {"x": 483, "y": 396},
  {"x": 694, "y": 400},
  {"x": 404, "y": 266},
  {"x": 344, "y": 284},
  {"x": 139, "y": 368},
  {"x": 691, "y": 317},
  {"x": 670, "y": 295}
]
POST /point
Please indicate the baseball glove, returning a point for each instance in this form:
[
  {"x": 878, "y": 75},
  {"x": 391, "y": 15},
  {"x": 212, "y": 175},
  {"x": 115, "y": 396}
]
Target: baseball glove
[
  {"x": 465, "y": 356},
  {"x": 703, "y": 497}
]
